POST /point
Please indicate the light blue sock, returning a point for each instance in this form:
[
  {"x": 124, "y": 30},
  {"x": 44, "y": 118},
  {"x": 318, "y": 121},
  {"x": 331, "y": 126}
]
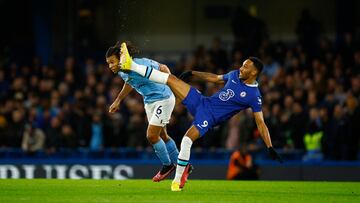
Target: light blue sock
[
  {"x": 161, "y": 152},
  {"x": 173, "y": 151}
]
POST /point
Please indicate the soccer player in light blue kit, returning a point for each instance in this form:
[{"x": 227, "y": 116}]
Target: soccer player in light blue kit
[
  {"x": 240, "y": 92},
  {"x": 159, "y": 104}
]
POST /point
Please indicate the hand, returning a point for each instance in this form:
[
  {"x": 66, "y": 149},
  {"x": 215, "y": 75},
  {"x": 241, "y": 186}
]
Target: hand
[
  {"x": 114, "y": 106},
  {"x": 274, "y": 155},
  {"x": 185, "y": 75}
]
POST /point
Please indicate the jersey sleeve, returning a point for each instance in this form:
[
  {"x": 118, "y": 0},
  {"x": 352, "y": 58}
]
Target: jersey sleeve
[
  {"x": 123, "y": 76},
  {"x": 153, "y": 64},
  {"x": 256, "y": 104},
  {"x": 228, "y": 75},
  {"x": 147, "y": 62}
]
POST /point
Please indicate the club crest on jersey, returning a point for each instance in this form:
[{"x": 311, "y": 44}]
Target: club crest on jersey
[
  {"x": 242, "y": 94},
  {"x": 226, "y": 95}
]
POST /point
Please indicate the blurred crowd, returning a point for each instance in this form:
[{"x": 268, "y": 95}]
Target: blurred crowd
[{"x": 311, "y": 95}]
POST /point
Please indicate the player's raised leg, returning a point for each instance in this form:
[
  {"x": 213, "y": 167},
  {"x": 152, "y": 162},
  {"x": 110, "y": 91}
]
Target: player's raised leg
[
  {"x": 183, "y": 167},
  {"x": 178, "y": 87}
]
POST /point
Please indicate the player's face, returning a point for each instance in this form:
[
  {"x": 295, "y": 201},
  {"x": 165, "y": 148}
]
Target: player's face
[
  {"x": 113, "y": 63},
  {"x": 247, "y": 70}
]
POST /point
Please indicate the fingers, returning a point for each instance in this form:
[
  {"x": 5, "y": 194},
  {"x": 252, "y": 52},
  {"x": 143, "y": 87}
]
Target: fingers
[
  {"x": 113, "y": 109},
  {"x": 274, "y": 155},
  {"x": 185, "y": 75}
]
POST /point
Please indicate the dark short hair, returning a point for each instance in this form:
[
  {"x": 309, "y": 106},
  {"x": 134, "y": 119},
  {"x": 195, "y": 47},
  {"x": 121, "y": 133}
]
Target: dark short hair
[
  {"x": 115, "y": 50},
  {"x": 257, "y": 63}
]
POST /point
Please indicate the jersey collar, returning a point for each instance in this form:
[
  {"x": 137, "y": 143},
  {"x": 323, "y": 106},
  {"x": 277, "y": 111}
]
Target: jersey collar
[{"x": 255, "y": 84}]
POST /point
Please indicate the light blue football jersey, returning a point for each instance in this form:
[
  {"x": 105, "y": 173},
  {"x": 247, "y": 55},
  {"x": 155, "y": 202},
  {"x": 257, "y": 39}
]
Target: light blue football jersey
[{"x": 150, "y": 91}]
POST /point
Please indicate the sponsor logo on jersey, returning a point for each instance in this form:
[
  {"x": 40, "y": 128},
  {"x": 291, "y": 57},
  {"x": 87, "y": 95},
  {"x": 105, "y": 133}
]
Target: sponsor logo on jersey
[
  {"x": 233, "y": 81},
  {"x": 226, "y": 95},
  {"x": 242, "y": 94}
]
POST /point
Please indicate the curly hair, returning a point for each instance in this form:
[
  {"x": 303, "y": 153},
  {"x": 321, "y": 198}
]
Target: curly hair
[{"x": 115, "y": 50}]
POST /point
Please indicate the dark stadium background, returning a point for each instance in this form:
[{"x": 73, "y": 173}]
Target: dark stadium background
[{"x": 54, "y": 80}]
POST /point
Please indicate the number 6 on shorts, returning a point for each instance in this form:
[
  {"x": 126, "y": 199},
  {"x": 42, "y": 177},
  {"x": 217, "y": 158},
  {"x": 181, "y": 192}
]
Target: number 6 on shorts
[{"x": 158, "y": 110}]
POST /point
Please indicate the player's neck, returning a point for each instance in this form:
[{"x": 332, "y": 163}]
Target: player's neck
[{"x": 250, "y": 81}]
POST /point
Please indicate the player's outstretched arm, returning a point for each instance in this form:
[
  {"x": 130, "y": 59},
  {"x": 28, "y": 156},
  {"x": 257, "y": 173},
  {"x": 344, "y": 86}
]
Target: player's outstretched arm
[
  {"x": 208, "y": 77},
  {"x": 122, "y": 94},
  {"x": 265, "y": 135}
]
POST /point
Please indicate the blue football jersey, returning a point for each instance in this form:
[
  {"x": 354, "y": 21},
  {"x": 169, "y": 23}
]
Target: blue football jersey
[
  {"x": 233, "y": 97},
  {"x": 151, "y": 91}
]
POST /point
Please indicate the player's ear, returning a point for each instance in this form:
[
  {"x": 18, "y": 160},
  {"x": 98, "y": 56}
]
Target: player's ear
[{"x": 254, "y": 72}]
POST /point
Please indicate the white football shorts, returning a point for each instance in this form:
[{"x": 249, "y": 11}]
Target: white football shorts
[{"x": 159, "y": 113}]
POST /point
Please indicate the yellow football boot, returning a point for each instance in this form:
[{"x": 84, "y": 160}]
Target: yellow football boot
[
  {"x": 125, "y": 58},
  {"x": 175, "y": 187}
]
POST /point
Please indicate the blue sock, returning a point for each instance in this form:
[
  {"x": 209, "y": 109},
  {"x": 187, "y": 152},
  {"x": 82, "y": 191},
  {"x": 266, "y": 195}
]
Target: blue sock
[
  {"x": 172, "y": 150},
  {"x": 161, "y": 152}
]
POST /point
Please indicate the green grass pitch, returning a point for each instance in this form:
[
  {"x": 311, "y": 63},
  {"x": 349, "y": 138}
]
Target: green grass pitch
[{"x": 52, "y": 190}]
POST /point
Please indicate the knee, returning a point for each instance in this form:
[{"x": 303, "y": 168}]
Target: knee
[
  {"x": 152, "y": 138},
  {"x": 153, "y": 135},
  {"x": 164, "y": 136}
]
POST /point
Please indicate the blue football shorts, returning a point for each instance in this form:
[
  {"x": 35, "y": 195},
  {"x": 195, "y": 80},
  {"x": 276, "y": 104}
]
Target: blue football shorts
[{"x": 197, "y": 105}]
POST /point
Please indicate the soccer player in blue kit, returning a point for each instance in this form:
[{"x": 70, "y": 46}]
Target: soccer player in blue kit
[
  {"x": 159, "y": 104},
  {"x": 240, "y": 92}
]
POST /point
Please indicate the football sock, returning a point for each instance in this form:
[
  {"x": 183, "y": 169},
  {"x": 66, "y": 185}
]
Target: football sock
[
  {"x": 162, "y": 153},
  {"x": 184, "y": 157},
  {"x": 172, "y": 150},
  {"x": 150, "y": 73},
  {"x": 141, "y": 69},
  {"x": 158, "y": 76}
]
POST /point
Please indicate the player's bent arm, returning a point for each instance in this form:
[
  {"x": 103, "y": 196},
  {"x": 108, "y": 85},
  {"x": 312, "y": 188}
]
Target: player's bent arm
[
  {"x": 264, "y": 132},
  {"x": 209, "y": 77},
  {"x": 164, "y": 68},
  {"x": 122, "y": 94},
  {"x": 126, "y": 89}
]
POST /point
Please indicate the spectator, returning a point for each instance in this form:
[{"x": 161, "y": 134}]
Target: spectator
[
  {"x": 33, "y": 139},
  {"x": 4, "y": 131},
  {"x": 308, "y": 31},
  {"x": 249, "y": 31},
  {"x": 298, "y": 122},
  {"x": 16, "y": 129},
  {"x": 352, "y": 137},
  {"x": 67, "y": 137},
  {"x": 53, "y": 135},
  {"x": 218, "y": 55},
  {"x": 97, "y": 136},
  {"x": 313, "y": 136},
  {"x": 4, "y": 85},
  {"x": 241, "y": 166},
  {"x": 341, "y": 131}
]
